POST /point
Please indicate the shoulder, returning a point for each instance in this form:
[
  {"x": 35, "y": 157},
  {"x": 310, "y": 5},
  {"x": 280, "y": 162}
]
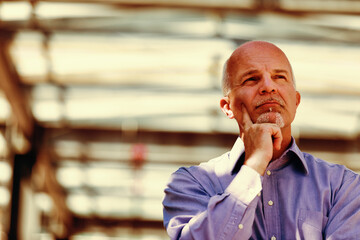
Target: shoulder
[
  {"x": 207, "y": 168},
  {"x": 316, "y": 162},
  {"x": 204, "y": 176},
  {"x": 336, "y": 173}
]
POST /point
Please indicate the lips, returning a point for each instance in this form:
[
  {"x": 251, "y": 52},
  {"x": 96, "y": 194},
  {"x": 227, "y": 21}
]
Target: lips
[{"x": 268, "y": 104}]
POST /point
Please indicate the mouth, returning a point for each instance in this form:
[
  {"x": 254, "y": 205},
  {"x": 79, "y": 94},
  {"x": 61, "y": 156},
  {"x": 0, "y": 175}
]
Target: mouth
[{"x": 269, "y": 103}]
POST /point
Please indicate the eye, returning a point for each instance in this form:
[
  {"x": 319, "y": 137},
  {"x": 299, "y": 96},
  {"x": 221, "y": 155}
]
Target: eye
[
  {"x": 250, "y": 79},
  {"x": 280, "y": 77}
]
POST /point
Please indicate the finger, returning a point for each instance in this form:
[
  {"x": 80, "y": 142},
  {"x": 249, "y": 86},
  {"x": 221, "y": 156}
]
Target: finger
[
  {"x": 277, "y": 137},
  {"x": 246, "y": 120}
]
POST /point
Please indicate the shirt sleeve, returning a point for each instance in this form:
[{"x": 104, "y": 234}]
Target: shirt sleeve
[
  {"x": 246, "y": 185},
  {"x": 344, "y": 216},
  {"x": 190, "y": 212}
]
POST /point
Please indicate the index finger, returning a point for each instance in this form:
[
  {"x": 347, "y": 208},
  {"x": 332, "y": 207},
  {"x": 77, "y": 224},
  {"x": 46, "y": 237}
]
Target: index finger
[{"x": 246, "y": 120}]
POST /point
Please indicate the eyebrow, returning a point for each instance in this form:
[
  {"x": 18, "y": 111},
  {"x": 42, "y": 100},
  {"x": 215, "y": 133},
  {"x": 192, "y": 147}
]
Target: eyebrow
[
  {"x": 252, "y": 71},
  {"x": 281, "y": 71},
  {"x": 248, "y": 73}
]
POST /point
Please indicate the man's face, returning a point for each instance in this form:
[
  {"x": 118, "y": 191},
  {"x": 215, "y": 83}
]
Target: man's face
[{"x": 261, "y": 80}]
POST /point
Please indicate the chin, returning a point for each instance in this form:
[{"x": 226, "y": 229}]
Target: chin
[{"x": 271, "y": 117}]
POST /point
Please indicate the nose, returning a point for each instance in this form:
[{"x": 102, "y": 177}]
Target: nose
[{"x": 267, "y": 85}]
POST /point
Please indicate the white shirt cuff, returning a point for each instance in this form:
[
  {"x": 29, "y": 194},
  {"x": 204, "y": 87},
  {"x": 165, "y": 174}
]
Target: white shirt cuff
[{"x": 246, "y": 185}]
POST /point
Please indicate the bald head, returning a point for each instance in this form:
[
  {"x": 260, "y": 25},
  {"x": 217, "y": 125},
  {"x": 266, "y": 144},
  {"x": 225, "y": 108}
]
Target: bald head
[{"x": 250, "y": 52}]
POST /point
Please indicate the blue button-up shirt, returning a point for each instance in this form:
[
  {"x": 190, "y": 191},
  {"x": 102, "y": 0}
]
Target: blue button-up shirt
[{"x": 302, "y": 197}]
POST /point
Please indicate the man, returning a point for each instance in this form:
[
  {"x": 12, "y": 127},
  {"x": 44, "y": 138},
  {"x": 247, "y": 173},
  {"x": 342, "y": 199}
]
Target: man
[{"x": 265, "y": 187}]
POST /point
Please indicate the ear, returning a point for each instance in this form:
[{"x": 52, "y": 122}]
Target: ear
[
  {"x": 225, "y": 107},
  {"x": 298, "y": 98}
]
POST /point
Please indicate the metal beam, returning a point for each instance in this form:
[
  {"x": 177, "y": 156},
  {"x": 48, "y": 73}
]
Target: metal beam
[
  {"x": 45, "y": 181},
  {"x": 21, "y": 170},
  {"x": 10, "y": 84}
]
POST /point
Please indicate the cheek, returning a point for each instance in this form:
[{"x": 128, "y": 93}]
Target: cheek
[
  {"x": 237, "y": 103},
  {"x": 242, "y": 97},
  {"x": 292, "y": 106},
  {"x": 289, "y": 96}
]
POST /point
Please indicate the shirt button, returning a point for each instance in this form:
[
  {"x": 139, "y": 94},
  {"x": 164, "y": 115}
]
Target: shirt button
[
  {"x": 268, "y": 172},
  {"x": 273, "y": 238},
  {"x": 270, "y": 203},
  {"x": 241, "y": 226}
]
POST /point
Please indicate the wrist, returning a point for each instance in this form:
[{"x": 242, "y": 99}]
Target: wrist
[{"x": 257, "y": 163}]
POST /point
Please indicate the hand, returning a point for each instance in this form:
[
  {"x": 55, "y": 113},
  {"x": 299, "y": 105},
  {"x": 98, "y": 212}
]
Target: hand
[{"x": 260, "y": 140}]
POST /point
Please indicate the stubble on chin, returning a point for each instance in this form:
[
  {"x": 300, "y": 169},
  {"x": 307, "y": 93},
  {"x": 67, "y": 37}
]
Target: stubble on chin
[{"x": 271, "y": 117}]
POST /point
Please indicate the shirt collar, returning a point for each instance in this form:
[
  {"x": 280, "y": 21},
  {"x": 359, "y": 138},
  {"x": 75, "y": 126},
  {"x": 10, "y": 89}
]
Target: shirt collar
[
  {"x": 296, "y": 153},
  {"x": 237, "y": 156}
]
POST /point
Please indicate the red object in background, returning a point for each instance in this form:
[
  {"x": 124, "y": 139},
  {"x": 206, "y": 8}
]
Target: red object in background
[{"x": 138, "y": 154}]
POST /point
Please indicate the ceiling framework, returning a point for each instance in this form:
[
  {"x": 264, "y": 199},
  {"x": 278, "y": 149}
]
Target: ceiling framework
[
  {"x": 293, "y": 6},
  {"x": 64, "y": 48}
]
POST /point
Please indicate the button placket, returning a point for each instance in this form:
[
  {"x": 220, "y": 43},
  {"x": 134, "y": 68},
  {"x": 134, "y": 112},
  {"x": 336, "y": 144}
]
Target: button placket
[
  {"x": 271, "y": 211},
  {"x": 270, "y": 202}
]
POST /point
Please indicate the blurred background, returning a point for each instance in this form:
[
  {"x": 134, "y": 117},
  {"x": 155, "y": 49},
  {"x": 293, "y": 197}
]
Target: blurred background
[{"x": 101, "y": 101}]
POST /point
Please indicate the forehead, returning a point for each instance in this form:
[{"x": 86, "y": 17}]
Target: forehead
[{"x": 257, "y": 57}]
